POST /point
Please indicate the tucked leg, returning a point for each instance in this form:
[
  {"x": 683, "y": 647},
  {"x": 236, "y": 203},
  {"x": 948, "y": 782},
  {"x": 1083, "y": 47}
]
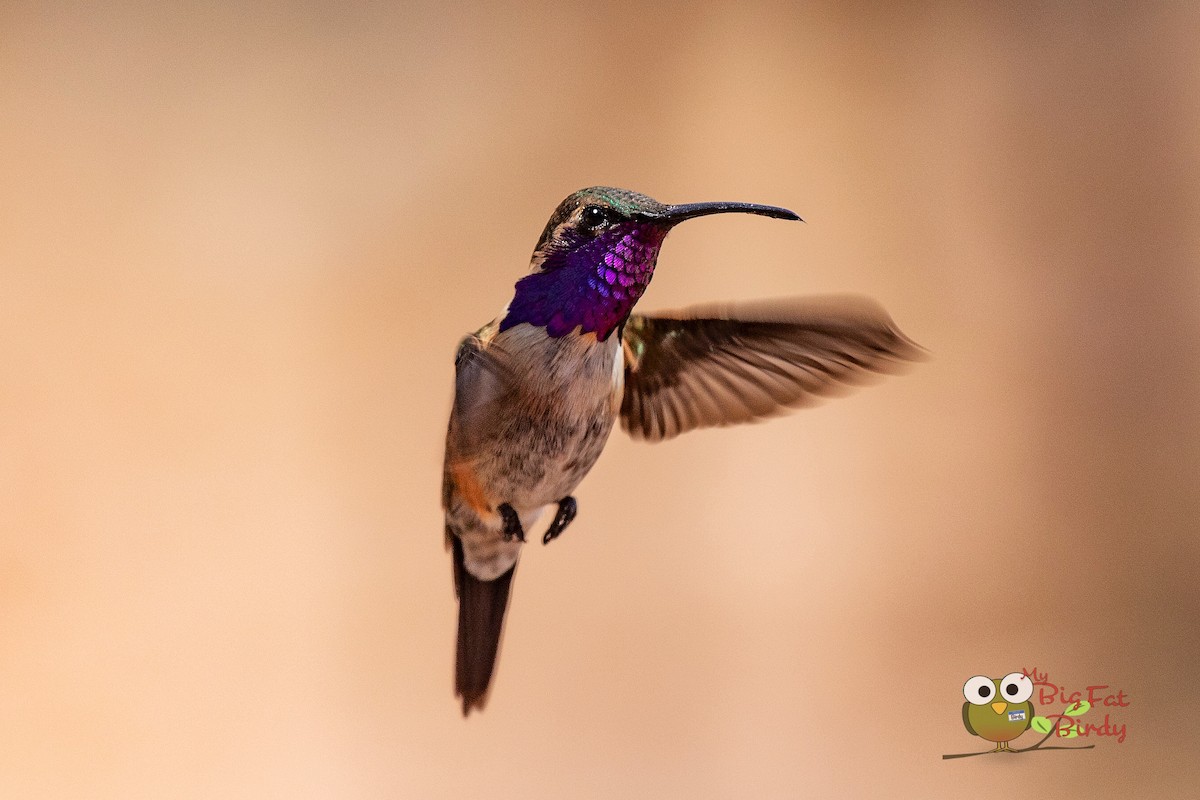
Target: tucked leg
[
  {"x": 512, "y": 523},
  {"x": 566, "y": 512}
]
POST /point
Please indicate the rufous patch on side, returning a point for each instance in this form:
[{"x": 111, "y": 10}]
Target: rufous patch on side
[{"x": 468, "y": 486}]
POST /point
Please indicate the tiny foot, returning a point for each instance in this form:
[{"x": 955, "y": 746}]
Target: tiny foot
[
  {"x": 512, "y": 523},
  {"x": 566, "y": 512}
]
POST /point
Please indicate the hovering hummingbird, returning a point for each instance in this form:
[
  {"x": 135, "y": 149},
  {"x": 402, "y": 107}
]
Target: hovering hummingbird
[{"x": 539, "y": 389}]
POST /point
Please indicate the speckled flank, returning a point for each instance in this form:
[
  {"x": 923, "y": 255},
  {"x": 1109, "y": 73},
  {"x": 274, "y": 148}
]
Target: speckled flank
[{"x": 541, "y": 448}]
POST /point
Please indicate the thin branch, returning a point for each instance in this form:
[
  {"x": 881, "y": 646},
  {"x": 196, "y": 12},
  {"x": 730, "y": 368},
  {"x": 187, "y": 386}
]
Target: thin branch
[
  {"x": 1053, "y": 730},
  {"x": 968, "y": 755},
  {"x": 1057, "y": 747},
  {"x": 1026, "y": 750}
]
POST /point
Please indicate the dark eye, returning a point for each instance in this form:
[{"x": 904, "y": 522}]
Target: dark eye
[
  {"x": 1016, "y": 687},
  {"x": 593, "y": 218},
  {"x": 978, "y": 690}
]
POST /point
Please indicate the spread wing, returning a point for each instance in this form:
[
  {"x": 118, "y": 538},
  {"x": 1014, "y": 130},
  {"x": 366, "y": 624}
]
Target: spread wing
[{"x": 720, "y": 365}]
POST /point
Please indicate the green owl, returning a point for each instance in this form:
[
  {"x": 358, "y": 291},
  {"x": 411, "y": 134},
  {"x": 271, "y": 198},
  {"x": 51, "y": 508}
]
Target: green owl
[{"x": 998, "y": 709}]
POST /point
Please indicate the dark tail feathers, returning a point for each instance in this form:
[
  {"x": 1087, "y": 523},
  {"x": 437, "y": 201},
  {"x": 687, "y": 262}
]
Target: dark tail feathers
[{"x": 481, "y": 606}]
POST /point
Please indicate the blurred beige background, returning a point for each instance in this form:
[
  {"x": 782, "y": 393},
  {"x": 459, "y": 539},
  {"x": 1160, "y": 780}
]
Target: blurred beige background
[{"x": 238, "y": 245}]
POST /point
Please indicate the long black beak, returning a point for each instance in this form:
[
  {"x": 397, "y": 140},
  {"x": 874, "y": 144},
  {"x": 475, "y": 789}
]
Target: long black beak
[{"x": 677, "y": 214}]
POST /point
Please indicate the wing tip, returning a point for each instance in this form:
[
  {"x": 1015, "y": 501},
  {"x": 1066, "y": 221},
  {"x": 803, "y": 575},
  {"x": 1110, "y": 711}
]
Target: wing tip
[
  {"x": 904, "y": 349},
  {"x": 871, "y": 346}
]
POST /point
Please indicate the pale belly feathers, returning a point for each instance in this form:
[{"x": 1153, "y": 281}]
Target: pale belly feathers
[
  {"x": 540, "y": 447},
  {"x": 547, "y": 443}
]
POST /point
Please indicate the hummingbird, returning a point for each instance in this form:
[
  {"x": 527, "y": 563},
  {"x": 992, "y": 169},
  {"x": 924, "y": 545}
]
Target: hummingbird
[{"x": 539, "y": 389}]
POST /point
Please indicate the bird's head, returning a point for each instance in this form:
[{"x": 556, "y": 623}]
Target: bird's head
[
  {"x": 998, "y": 694},
  {"x": 597, "y": 255}
]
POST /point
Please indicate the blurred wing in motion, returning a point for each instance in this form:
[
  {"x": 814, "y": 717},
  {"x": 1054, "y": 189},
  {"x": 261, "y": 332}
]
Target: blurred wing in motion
[{"x": 724, "y": 364}]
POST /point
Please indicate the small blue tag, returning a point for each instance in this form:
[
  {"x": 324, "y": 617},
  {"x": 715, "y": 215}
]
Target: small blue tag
[{"x": 1016, "y": 716}]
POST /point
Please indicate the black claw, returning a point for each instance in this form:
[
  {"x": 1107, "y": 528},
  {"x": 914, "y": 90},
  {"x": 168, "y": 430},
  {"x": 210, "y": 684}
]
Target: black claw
[
  {"x": 566, "y": 512},
  {"x": 512, "y": 523}
]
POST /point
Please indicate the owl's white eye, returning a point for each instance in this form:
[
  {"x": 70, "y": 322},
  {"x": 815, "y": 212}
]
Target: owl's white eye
[
  {"x": 1016, "y": 687},
  {"x": 979, "y": 690}
]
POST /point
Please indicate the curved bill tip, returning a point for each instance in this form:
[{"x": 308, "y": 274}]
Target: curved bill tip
[{"x": 674, "y": 214}]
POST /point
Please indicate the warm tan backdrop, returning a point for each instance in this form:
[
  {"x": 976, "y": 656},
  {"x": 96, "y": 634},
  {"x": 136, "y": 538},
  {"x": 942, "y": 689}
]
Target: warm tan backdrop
[{"x": 238, "y": 246}]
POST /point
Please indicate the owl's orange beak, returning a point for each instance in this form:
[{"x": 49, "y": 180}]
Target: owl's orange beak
[{"x": 999, "y": 707}]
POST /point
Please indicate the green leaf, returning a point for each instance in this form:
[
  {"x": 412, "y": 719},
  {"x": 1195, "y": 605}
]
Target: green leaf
[
  {"x": 1079, "y": 709},
  {"x": 1042, "y": 725},
  {"x": 1072, "y": 732}
]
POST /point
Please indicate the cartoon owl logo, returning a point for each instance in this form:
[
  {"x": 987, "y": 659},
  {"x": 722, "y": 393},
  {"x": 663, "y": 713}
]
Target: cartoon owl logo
[{"x": 998, "y": 709}]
